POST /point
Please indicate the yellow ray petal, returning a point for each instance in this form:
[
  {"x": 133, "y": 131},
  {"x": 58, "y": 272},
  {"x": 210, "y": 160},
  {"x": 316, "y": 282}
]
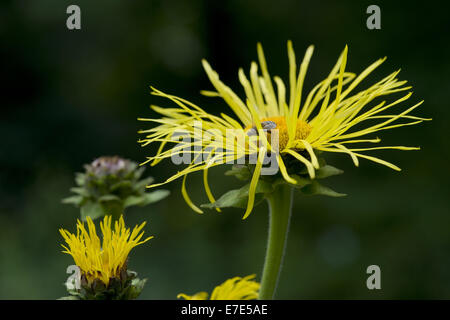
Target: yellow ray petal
[
  {"x": 254, "y": 183},
  {"x": 208, "y": 189},
  {"x": 305, "y": 161},
  {"x": 187, "y": 198}
]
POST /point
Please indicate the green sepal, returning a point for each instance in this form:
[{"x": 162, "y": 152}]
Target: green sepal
[
  {"x": 133, "y": 201},
  {"x": 125, "y": 287},
  {"x": 135, "y": 289}
]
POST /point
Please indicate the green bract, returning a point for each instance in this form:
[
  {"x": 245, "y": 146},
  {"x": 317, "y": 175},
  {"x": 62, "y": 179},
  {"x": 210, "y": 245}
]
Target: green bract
[
  {"x": 127, "y": 287},
  {"x": 238, "y": 198},
  {"x": 109, "y": 185}
]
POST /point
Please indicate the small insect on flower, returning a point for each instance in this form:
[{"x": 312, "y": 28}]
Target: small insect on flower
[
  {"x": 236, "y": 288},
  {"x": 332, "y": 118}
]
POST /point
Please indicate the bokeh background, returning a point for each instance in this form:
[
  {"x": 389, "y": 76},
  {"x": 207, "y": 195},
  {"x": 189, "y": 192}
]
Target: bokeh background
[{"x": 71, "y": 96}]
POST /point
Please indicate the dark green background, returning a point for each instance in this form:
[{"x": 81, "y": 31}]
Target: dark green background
[{"x": 70, "y": 96}]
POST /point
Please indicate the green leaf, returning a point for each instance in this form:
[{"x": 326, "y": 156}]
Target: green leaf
[
  {"x": 109, "y": 197},
  {"x": 121, "y": 184},
  {"x": 133, "y": 201},
  {"x": 327, "y": 171},
  {"x": 69, "y": 298},
  {"x": 143, "y": 183},
  {"x": 238, "y": 198},
  {"x": 146, "y": 198},
  {"x": 76, "y": 200},
  {"x": 316, "y": 188},
  {"x": 301, "y": 181},
  {"x": 155, "y": 196},
  {"x": 232, "y": 198},
  {"x": 241, "y": 172},
  {"x": 138, "y": 172},
  {"x": 80, "y": 191},
  {"x": 136, "y": 288},
  {"x": 80, "y": 178},
  {"x": 91, "y": 209},
  {"x": 131, "y": 166}
]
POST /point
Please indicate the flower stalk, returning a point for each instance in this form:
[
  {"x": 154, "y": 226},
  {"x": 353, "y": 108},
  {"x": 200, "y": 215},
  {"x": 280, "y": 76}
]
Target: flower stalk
[
  {"x": 115, "y": 210},
  {"x": 280, "y": 208}
]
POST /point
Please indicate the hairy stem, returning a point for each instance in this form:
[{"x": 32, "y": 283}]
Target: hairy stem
[{"x": 280, "y": 207}]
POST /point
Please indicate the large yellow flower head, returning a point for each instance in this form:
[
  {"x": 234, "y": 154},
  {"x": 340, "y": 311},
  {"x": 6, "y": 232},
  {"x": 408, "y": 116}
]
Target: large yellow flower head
[
  {"x": 333, "y": 117},
  {"x": 236, "y": 288},
  {"x": 105, "y": 259}
]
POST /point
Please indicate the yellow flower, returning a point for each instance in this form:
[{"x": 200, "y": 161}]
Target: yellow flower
[
  {"x": 334, "y": 117},
  {"x": 102, "y": 260},
  {"x": 236, "y": 288}
]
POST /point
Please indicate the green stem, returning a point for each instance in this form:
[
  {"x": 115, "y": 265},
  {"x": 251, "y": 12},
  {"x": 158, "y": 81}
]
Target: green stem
[
  {"x": 115, "y": 210},
  {"x": 280, "y": 205}
]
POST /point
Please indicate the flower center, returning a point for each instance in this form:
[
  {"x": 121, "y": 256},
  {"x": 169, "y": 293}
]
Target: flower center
[{"x": 302, "y": 130}]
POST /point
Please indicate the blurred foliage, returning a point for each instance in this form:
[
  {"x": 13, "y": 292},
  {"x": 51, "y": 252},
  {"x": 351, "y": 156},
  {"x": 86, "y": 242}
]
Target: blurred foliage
[
  {"x": 109, "y": 185},
  {"x": 71, "y": 96}
]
